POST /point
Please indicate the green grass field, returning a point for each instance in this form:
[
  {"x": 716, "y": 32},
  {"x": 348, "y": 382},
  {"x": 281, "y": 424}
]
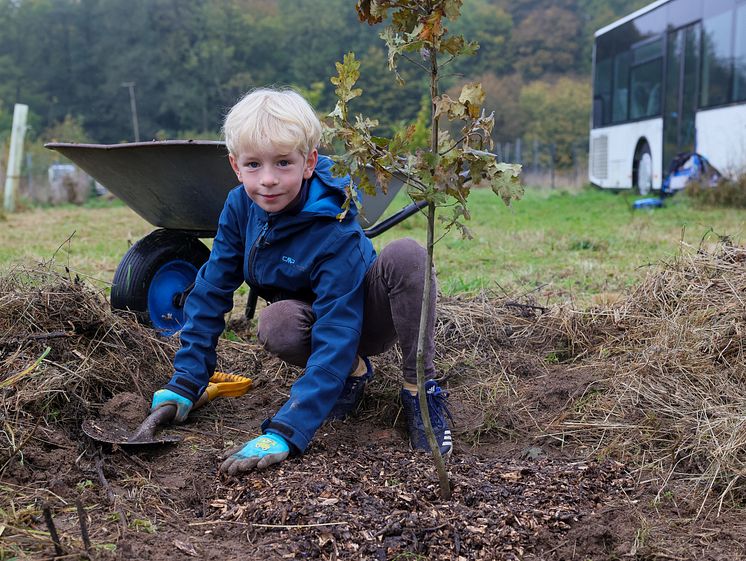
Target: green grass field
[
  {"x": 570, "y": 245},
  {"x": 559, "y": 245}
]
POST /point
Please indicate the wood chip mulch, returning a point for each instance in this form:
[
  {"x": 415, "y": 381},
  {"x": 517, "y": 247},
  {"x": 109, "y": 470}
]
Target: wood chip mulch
[{"x": 355, "y": 503}]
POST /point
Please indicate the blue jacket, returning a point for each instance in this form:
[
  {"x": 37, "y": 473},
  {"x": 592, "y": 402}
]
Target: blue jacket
[{"x": 308, "y": 254}]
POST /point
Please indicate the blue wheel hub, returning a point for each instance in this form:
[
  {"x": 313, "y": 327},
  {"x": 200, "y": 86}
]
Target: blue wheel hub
[{"x": 168, "y": 282}]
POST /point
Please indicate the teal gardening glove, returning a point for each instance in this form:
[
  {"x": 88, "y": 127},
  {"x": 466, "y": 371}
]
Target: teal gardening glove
[
  {"x": 261, "y": 452},
  {"x": 164, "y": 397}
]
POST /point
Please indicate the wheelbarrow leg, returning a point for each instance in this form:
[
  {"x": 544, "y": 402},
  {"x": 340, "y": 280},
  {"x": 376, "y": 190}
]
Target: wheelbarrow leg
[{"x": 251, "y": 303}]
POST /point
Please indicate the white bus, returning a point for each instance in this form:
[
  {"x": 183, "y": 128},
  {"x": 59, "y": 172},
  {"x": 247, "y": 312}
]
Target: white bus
[{"x": 668, "y": 78}]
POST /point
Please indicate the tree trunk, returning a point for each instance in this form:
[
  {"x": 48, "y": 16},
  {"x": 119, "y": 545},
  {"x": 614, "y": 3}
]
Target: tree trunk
[{"x": 445, "y": 487}]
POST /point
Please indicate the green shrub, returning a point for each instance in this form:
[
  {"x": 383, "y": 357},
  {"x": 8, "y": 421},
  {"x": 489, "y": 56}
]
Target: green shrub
[{"x": 727, "y": 193}]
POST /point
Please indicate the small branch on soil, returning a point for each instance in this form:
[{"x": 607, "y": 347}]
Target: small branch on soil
[
  {"x": 83, "y": 520},
  {"x": 526, "y": 307},
  {"x": 213, "y": 522},
  {"x": 52, "y": 530},
  {"x": 277, "y": 526},
  {"x": 546, "y": 554},
  {"x": 4, "y": 342},
  {"x": 110, "y": 495},
  {"x": 291, "y": 526},
  {"x": 102, "y": 479}
]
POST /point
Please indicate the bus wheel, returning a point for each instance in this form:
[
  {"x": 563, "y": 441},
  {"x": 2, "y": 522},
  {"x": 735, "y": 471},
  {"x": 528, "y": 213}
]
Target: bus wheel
[{"x": 642, "y": 170}]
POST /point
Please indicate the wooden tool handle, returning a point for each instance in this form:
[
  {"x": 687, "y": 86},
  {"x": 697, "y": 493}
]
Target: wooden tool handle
[{"x": 146, "y": 431}]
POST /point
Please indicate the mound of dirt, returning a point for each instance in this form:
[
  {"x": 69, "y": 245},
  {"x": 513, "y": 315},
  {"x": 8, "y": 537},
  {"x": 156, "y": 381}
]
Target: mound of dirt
[
  {"x": 126, "y": 407},
  {"x": 89, "y": 353}
]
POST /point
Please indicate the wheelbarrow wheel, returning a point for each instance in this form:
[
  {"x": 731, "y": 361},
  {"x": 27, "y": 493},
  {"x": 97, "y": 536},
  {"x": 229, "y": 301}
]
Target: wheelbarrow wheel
[{"x": 153, "y": 275}]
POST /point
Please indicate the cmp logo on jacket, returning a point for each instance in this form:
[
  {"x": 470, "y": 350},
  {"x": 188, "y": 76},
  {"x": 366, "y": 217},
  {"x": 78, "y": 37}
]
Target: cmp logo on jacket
[{"x": 291, "y": 261}]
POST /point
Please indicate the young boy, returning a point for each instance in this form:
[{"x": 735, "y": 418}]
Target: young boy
[{"x": 333, "y": 301}]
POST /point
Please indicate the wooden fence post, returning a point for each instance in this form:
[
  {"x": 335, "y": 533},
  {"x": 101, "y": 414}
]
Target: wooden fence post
[{"x": 13, "y": 174}]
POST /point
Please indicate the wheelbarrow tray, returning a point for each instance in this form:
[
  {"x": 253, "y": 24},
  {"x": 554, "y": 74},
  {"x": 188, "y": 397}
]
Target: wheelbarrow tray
[{"x": 178, "y": 184}]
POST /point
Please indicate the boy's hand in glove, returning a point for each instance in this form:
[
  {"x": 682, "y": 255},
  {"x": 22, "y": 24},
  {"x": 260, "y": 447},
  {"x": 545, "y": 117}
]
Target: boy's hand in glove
[
  {"x": 259, "y": 453},
  {"x": 167, "y": 397}
]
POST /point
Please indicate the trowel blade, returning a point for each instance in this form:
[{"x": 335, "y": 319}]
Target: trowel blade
[{"x": 110, "y": 433}]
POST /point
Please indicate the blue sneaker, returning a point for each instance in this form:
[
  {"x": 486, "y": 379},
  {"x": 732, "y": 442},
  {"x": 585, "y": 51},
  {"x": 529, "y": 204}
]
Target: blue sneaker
[
  {"x": 438, "y": 406},
  {"x": 352, "y": 393}
]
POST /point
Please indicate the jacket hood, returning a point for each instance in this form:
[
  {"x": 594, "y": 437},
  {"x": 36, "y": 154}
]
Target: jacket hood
[{"x": 326, "y": 192}]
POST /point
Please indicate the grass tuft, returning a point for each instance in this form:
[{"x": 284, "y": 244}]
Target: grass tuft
[{"x": 728, "y": 193}]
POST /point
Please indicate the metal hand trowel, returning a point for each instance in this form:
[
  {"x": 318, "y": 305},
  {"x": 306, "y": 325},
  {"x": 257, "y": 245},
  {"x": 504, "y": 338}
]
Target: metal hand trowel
[{"x": 112, "y": 432}]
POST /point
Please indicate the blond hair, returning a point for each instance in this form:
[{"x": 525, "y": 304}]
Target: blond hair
[{"x": 280, "y": 118}]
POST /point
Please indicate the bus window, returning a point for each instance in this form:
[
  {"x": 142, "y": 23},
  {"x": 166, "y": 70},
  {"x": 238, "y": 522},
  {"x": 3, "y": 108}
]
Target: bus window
[
  {"x": 645, "y": 86},
  {"x": 621, "y": 87},
  {"x": 682, "y": 12},
  {"x": 717, "y": 70},
  {"x": 602, "y": 94},
  {"x": 648, "y": 51},
  {"x": 740, "y": 54},
  {"x": 645, "y": 79}
]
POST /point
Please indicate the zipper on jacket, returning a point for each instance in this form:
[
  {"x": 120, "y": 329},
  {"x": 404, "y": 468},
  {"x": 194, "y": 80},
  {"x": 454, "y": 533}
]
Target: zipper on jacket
[{"x": 258, "y": 244}]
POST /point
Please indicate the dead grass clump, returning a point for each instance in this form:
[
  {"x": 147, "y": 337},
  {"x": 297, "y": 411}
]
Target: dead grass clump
[
  {"x": 676, "y": 359},
  {"x": 726, "y": 193},
  {"x": 507, "y": 362},
  {"x": 485, "y": 345},
  {"x": 63, "y": 351}
]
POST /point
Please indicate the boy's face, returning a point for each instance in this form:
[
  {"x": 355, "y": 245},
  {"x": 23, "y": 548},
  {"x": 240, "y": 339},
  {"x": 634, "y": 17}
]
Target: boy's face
[{"x": 272, "y": 178}]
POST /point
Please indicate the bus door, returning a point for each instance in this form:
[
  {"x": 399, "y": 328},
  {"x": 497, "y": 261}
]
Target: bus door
[{"x": 682, "y": 67}]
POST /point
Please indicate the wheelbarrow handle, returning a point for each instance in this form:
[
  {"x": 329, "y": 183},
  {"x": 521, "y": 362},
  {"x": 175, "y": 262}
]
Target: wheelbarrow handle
[{"x": 391, "y": 221}]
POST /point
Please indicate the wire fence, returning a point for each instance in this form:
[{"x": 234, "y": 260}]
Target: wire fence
[{"x": 547, "y": 164}]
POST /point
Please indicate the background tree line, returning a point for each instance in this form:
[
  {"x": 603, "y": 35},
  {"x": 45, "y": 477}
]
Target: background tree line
[{"x": 191, "y": 60}]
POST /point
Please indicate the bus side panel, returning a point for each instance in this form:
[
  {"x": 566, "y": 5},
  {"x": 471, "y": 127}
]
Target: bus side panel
[
  {"x": 612, "y": 152},
  {"x": 721, "y": 138}
]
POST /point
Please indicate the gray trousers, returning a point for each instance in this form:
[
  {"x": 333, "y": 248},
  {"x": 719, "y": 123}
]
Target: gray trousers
[{"x": 393, "y": 300}]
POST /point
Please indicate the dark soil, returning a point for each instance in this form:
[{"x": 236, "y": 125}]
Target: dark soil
[
  {"x": 358, "y": 492},
  {"x": 127, "y": 408}
]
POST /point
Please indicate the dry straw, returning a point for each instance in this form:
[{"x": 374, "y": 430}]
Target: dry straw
[
  {"x": 485, "y": 346},
  {"x": 674, "y": 362},
  {"x": 62, "y": 352}
]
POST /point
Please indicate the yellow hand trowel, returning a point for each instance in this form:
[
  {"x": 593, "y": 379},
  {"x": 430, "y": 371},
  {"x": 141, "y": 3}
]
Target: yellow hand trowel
[{"x": 220, "y": 385}]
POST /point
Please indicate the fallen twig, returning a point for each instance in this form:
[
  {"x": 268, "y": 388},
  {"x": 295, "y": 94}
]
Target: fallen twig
[
  {"x": 83, "y": 520},
  {"x": 52, "y": 530},
  {"x": 110, "y": 495},
  {"x": 294, "y": 526},
  {"x": 35, "y": 337}
]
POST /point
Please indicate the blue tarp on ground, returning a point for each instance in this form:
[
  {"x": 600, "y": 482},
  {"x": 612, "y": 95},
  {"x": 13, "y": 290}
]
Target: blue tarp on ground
[{"x": 686, "y": 167}]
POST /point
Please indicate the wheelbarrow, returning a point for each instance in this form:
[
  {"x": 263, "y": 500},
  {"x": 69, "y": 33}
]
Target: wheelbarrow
[{"x": 180, "y": 186}]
